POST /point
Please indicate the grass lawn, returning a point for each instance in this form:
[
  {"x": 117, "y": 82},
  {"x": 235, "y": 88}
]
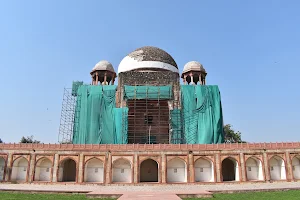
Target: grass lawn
[
  {"x": 38, "y": 196},
  {"x": 278, "y": 195}
]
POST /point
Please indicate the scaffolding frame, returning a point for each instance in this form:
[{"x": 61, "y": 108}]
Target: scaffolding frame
[
  {"x": 159, "y": 132},
  {"x": 163, "y": 130},
  {"x": 67, "y": 119}
]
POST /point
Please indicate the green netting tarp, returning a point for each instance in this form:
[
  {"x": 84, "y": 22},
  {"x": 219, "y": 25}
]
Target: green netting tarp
[
  {"x": 121, "y": 124},
  {"x": 75, "y": 86},
  {"x": 148, "y": 92},
  {"x": 95, "y": 120},
  {"x": 202, "y": 114},
  {"x": 176, "y": 126}
]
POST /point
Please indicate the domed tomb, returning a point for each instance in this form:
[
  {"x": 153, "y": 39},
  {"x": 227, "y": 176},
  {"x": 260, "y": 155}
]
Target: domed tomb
[{"x": 148, "y": 58}]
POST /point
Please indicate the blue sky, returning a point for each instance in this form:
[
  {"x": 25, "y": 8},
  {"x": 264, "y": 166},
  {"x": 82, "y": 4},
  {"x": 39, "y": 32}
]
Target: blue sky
[{"x": 251, "y": 49}]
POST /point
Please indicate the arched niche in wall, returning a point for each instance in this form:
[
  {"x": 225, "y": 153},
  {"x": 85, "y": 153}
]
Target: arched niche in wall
[
  {"x": 94, "y": 170},
  {"x": 67, "y": 170},
  {"x": 277, "y": 168},
  {"x": 254, "y": 169},
  {"x": 19, "y": 169},
  {"x": 149, "y": 171},
  {"x": 176, "y": 170},
  {"x": 2, "y": 167},
  {"x": 230, "y": 169},
  {"x": 204, "y": 170},
  {"x": 121, "y": 171},
  {"x": 43, "y": 170},
  {"x": 296, "y": 167}
]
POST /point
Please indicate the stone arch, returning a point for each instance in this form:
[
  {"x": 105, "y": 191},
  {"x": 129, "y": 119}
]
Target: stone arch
[
  {"x": 196, "y": 79},
  {"x": 149, "y": 170},
  {"x": 67, "y": 171},
  {"x": 188, "y": 79},
  {"x": 43, "y": 169},
  {"x": 230, "y": 169},
  {"x": 122, "y": 171},
  {"x": 254, "y": 170},
  {"x": 2, "y": 168},
  {"x": 19, "y": 169},
  {"x": 176, "y": 170},
  {"x": 94, "y": 170},
  {"x": 296, "y": 167},
  {"x": 277, "y": 168},
  {"x": 204, "y": 170}
]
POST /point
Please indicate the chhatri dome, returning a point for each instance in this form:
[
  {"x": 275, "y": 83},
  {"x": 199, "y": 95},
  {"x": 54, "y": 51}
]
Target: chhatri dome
[
  {"x": 103, "y": 65},
  {"x": 103, "y": 73},
  {"x": 193, "y": 66},
  {"x": 148, "y": 57}
]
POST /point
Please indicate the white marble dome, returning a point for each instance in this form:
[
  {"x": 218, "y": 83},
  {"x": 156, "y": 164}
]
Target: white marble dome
[
  {"x": 193, "y": 66},
  {"x": 103, "y": 65},
  {"x": 148, "y": 58}
]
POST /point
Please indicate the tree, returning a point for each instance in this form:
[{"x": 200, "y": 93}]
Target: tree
[
  {"x": 231, "y": 136},
  {"x": 28, "y": 139},
  {"x": 1, "y": 141}
]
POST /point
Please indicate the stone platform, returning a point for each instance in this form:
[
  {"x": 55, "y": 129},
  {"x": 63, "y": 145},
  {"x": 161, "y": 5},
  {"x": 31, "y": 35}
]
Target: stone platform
[
  {"x": 150, "y": 191},
  {"x": 169, "y": 195}
]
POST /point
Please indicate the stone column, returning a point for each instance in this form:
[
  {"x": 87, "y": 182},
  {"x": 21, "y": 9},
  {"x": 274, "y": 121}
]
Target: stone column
[
  {"x": 105, "y": 78},
  {"x": 113, "y": 79},
  {"x": 9, "y": 166},
  {"x": 164, "y": 168},
  {"x": 243, "y": 172},
  {"x": 289, "y": 167},
  {"x": 184, "y": 79},
  {"x": 192, "y": 80},
  {"x": 218, "y": 167},
  {"x": 92, "y": 79},
  {"x": 266, "y": 167},
  {"x": 31, "y": 168},
  {"x": 97, "y": 78},
  {"x": 80, "y": 168},
  {"x": 108, "y": 168},
  {"x": 55, "y": 168},
  {"x": 191, "y": 169},
  {"x": 135, "y": 168}
]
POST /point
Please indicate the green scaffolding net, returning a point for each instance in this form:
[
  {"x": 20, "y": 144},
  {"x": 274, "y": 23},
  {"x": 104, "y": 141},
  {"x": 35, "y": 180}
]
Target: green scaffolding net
[
  {"x": 148, "y": 92},
  {"x": 202, "y": 114},
  {"x": 97, "y": 121}
]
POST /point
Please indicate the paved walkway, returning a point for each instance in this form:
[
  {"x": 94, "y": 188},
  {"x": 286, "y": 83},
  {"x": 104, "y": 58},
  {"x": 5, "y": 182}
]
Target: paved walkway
[
  {"x": 149, "y": 196},
  {"x": 150, "y": 191}
]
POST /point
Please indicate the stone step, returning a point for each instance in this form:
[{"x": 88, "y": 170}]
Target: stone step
[{"x": 150, "y": 195}]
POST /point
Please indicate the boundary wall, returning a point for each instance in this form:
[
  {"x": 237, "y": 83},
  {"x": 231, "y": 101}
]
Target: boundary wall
[{"x": 162, "y": 154}]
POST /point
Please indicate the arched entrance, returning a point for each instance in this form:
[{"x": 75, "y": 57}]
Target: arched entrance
[
  {"x": 277, "y": 168},
  {"x": 121, "y": 172},
  {"x": 43, "y": 170},
  {"x": 2, "y": 166},
  {"x": 176, "y": 171},
  {"x": 19, "y": 169},
  {"x": 67, "y": 171},
  {"x": 149, "y": 171},
  {"x": 230, "y": 170},
  {"x": 204, "y": 171},
  {"x": 94, "y": 171},
  {"x": 296, "y": 167},
  {"x": 254, "y": 169}
]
